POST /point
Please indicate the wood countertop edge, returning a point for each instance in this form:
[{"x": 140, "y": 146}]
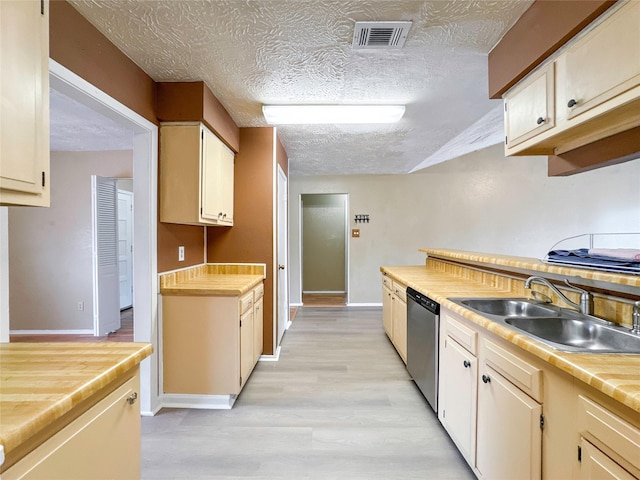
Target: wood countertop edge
[
  {"x": 31, "y": 428},
  {"x": 561, "y": 360},
  {"x": 198, "y": 287},
  {"x": 533, "y": 264}
]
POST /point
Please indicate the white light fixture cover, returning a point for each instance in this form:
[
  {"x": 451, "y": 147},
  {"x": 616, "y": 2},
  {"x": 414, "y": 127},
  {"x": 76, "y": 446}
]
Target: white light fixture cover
[{"x": 332, "y": 114}]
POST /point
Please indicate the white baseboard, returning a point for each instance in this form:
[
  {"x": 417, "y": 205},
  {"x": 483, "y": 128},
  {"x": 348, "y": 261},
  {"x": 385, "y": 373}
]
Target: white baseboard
[
  {"x": 211, "y": 402},
  {"x": 151, "y": 413},
  {"x": 271, "y": 358},
  {"x": 364, "y": 304},
  {"x": 51, "y": 332}
]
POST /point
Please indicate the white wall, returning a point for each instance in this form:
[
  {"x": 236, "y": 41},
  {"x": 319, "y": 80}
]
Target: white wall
[
  {"x": 481, "y": 202},
  {"x": 50, "y": 249}
]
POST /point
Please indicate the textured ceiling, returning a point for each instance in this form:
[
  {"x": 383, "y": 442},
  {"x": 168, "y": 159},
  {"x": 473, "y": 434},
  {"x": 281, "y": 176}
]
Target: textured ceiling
[{"x": 254, "y": 52}]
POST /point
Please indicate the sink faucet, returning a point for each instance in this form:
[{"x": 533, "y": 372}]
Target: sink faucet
[
  {"x": 586, "y": 302},
  {"x": 636, "y": 318}
]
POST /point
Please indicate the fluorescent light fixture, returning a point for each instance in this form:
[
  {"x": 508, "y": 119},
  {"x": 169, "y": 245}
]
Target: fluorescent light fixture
[{"x": 332, "y": 114}]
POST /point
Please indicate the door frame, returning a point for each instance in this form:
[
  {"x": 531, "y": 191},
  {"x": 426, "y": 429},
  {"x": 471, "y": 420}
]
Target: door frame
[
  {"x": 145, "y": 188},
  {"x": 129, "y": 195},
  {"x": 347, "y": 244},
  {"x": 282, "y": 229}
]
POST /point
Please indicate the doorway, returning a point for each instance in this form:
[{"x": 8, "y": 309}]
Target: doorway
[
  {"x": 324, "y": 249},
  {"x": 145, "y": 211}
]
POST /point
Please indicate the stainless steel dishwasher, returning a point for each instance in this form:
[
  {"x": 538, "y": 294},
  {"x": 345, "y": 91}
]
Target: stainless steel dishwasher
[{"x": 423, "y": 325}]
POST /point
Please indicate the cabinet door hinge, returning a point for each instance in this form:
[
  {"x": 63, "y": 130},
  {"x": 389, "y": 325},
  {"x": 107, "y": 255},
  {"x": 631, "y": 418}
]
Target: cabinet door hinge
[
  {"x": 43, "y": 177},
  {"x": 541, "y": 422},
  {"x": 579, "y": 453},
  {"x": 240, "y": 323},
  {"x": 41, "y": 7},
  {"x": 240, "y": 381},
  {"x": 505, "y": 106},
  {"x": 444, "y": 414},
  {"x": 506, "y": 140}
]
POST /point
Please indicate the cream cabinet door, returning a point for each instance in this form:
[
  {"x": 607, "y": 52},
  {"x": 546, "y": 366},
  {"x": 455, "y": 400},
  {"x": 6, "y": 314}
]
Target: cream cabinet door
[
  {"x": 529, "y": 109},
  {"x": 603, "y": 64},
  {"x": 210, "y": 176},
  {"x": 226, "y": 184},
  {"x": 595, "y": 465},
  {"x": 258, "y": 328},
  {"x": 246, "y": 345},
  {"x": 24, "y": 103},
  {"x": 399, "y": 316},
  {"x": 458, "y": 397},
  {"x": 509, "y": 437},
  {"x": 387, "y": 311}
]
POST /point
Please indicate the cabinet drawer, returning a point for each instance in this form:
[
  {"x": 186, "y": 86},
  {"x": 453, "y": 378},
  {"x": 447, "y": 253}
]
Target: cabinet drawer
[
  {"x": 246, "y": 302},
  {"x": 386, "y": 281},
  {"x": 608, "y": 430},
  {"x": 462, "y": 334},
  {"x": 525, "y": 376},
  {"x": 400, "y": 291},
  {"x": 258, "y": 292},
  {"x": 596, "y": 465}
]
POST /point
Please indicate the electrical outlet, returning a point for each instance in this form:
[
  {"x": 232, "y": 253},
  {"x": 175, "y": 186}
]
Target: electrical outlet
[
  {"x": 355, "y": 233},
  {"x": 181, "y": 253},
  {"x": 81, "y": 306}
]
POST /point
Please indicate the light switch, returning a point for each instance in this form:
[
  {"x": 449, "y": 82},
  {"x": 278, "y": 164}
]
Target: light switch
[
  {"x": 181, "y": 253},
  {"x": 355, "y": 233}
]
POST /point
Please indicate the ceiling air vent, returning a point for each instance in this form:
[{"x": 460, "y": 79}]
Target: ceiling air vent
[{"x": 380, "y": 34}]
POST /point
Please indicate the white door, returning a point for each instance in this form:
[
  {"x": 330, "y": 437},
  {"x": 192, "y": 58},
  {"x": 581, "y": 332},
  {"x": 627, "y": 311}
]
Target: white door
[
  {"x": 125, "y": 247},
  {"x": 106, "y": 311},
  {"x": 283, "y": 274}
]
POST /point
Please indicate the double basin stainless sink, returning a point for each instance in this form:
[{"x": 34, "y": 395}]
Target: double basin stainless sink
[{"x": 556, "y": 327}]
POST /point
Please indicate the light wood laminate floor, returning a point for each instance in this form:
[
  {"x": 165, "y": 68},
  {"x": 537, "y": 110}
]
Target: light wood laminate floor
[{"x": 338, "y": 405}]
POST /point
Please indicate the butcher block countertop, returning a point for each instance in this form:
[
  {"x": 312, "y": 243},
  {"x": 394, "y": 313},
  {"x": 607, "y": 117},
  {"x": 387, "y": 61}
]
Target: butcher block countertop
[
  {"x": 214, "y": 285},
  {"x": 212, "y": 280},
  {"x": 43, "y": 383},
  {"x": 617, "y": 376}
]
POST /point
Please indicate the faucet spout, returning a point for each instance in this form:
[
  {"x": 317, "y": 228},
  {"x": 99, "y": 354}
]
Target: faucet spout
[
  {"x": 586, "y": 301},
  {"x": 636, "y": 318}
]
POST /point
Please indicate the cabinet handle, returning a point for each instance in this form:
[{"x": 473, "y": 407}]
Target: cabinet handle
[
  {"x": 486, "y": 379},
  {"x": 572, "y": 103},
  {"x": 466, "y": 363},
  {"x": 219, "y": 214},
  {"x": 281, "y": 267},
  {"x": 132, "y": 398},
  {"x": 540, "y": 121}
]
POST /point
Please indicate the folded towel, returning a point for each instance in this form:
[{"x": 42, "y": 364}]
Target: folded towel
[{"x": 626, "y": 253}]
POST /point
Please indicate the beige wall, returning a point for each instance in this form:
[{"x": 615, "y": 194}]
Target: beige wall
[
  {"x": 481, "y": 202},
  {"x": 50, "y": 252},
  {"x": 323, "y": 243}
]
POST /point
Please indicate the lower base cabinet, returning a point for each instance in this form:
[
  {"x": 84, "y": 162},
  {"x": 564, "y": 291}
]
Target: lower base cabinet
[
  {"x": 394, "y": 314},
  {"x": 509, "y": 436},
  {"x": 507, "y": 426},
  {"x": 210, "y": 344},
  {"x": 103, "y": 443}
]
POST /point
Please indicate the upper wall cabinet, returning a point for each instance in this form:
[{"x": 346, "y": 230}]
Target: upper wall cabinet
[
  {"x": 597, "y": 90},
  {"x": 196, "y": 176},
  {"x": 24, "y": 107},
  {"x": 529, "y": 108}
]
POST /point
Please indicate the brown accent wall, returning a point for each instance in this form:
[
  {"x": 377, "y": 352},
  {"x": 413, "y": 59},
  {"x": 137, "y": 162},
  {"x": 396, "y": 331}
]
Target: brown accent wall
[
  {"x": 80, "y": 47},
  {"x": 170, "y": 237},
  {"x": 251, "y": 238},
  {"x": 618, "y": 148},
  {"x": 194, "y": 102},
  {"x": 540, "y": 31}
]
